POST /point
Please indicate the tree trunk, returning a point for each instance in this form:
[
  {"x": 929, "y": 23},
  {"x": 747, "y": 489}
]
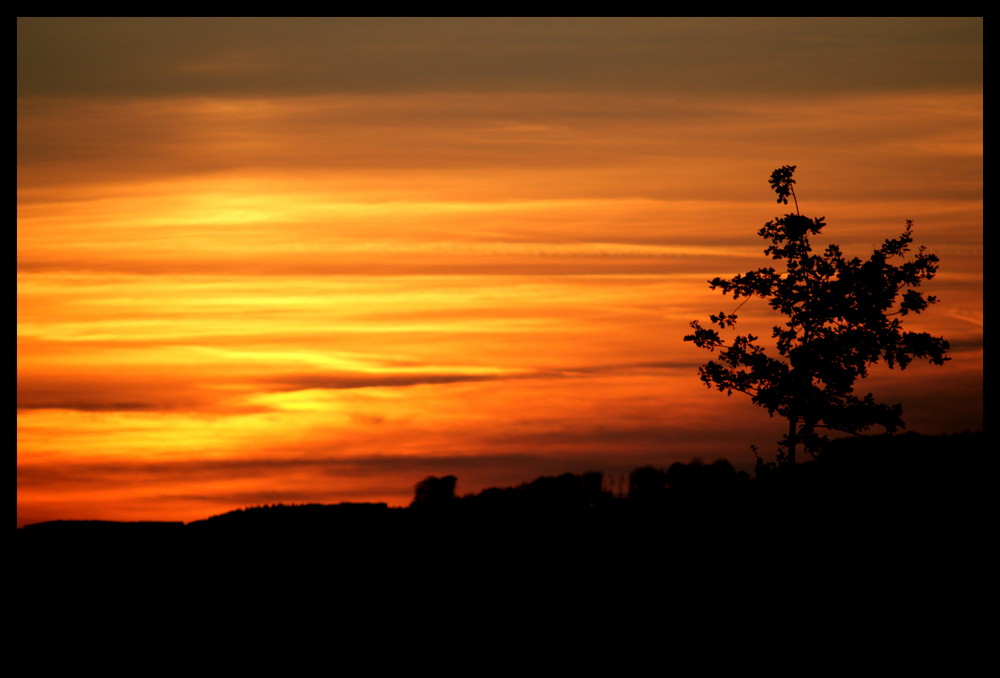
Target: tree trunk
[{"x": 792, "y": 439}]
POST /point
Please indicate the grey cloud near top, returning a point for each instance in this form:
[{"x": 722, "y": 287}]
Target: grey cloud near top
[{"x": 257, "y": 57}]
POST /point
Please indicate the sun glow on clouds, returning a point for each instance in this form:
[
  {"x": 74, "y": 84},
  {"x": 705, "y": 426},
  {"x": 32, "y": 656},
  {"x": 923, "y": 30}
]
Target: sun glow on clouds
[{"x": 234, "y": 299}]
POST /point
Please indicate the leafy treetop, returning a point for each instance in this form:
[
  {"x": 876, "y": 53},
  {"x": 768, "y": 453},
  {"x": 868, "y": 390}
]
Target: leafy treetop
[{"x": 843, "y": 315}]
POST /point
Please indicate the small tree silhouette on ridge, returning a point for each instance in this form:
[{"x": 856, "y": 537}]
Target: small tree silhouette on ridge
[{"x": 843, "y": 315}]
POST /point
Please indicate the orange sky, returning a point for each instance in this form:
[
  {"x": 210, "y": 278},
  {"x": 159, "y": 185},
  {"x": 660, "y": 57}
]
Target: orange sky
[{"x": 267, "y": 260}]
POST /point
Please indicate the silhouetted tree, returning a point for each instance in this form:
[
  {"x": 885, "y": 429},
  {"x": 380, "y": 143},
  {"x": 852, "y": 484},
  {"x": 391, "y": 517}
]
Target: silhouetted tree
[
  {"x": 432, "y": 492},
  {"x": 843, "y": 315},
  {"x": 594, "y": 493},
  {"x": 717, "y": 477},
  {"x": 555, "y": 493},
  {"x": 647, "y": 484}
]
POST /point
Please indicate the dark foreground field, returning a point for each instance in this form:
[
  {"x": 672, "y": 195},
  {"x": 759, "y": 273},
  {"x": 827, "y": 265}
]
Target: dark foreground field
[
  {"x": 878, "y": 540},
  {"x": 876, "y": 553}
]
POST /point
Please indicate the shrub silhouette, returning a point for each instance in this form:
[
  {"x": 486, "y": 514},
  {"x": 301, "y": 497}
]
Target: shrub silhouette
[
  {"x": 434, "y": 492},
  {"x": 647, "y": 485}
]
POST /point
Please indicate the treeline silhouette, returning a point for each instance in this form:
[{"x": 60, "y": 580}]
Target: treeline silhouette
[{"x": 876, "y": 488}]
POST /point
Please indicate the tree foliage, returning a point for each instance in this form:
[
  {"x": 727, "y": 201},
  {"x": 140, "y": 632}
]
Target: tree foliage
[{"x": 843, "y": 315}]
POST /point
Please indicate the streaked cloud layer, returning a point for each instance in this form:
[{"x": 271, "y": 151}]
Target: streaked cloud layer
[{"x": 317, "y": 259}]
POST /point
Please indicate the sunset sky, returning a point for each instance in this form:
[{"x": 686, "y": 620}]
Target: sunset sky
[{"x": 317, "y": 260}]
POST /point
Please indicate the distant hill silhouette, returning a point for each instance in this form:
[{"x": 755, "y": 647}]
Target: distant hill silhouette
[
  {"x": 104, "y": 525},
  {"x": 858, "y": 488},
  {"x": 875, "y": 531}
]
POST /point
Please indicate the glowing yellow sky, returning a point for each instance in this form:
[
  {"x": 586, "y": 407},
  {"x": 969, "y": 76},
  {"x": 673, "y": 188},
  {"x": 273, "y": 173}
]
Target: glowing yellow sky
[{"x": 248, "y": 274}]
